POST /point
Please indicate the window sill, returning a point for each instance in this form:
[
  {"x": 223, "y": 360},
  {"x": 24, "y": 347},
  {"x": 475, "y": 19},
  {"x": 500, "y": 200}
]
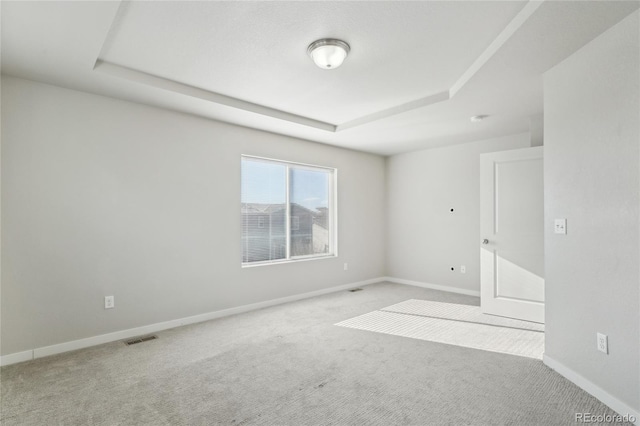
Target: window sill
[{"x": 294, "y": 260}]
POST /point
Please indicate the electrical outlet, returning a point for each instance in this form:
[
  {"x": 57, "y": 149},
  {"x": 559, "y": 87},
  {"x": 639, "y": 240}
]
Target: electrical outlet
[
  {"x": 109, "y": 302},
  {"x": 346, "y": 266},
  {"x": 463, "y": 269},
  {"x": 603, "y": 343},
  {"x": 560, "y": 226}
]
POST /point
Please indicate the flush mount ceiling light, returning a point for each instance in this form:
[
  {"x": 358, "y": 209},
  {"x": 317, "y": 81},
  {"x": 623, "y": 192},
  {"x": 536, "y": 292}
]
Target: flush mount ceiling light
[{"x": 328, "y": 53}]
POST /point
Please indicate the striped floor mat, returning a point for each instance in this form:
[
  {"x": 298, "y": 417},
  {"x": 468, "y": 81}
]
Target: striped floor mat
[{"x": 454, "y": 324}]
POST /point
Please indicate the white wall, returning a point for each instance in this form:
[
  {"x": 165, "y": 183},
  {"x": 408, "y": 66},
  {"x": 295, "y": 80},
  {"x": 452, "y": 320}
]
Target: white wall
[
  {"x": 104, "y": 197},
  {"x": 1, "y": 122},
  {"x": 425, "y": 239},
  {"x": 592, "y": 136}
]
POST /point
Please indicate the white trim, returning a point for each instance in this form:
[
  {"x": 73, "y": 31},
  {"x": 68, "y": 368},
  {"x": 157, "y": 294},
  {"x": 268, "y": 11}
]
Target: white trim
[
  {"x": 332, "y": 208},
  {"x": 284, "y": 261},
  {"x": 307, "y": 166},
  {"x": 333, "y": 218},
  {"x": 153, "y": 328},
  {"x": 611, "y": 401},
  {"x": 433, "y": 286},
  {"x": 16, "y": 358},
  {"x": 287, "y": 214}
]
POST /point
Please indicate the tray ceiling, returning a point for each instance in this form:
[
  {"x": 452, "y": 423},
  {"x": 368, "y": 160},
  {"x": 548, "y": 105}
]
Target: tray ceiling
[{"x": 416, "y": 72}]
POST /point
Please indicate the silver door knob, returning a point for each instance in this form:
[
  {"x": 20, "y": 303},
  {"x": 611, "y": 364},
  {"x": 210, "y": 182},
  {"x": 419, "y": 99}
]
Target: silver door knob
[{"x": 485, "y": 241}]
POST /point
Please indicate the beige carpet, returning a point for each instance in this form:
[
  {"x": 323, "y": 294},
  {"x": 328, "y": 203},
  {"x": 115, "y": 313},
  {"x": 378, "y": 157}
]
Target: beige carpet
[
  {"x": 289, "y": 365},
  {"x": 454, "y": 324}
]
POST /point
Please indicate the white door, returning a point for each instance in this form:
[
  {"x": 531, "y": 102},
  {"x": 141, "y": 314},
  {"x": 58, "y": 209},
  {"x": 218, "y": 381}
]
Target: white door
[{"x": 512, "y": 235}]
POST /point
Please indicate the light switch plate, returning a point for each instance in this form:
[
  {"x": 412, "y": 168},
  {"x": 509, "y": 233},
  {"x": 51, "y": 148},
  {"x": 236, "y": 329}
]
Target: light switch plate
[{"x": 560, "y": 226}]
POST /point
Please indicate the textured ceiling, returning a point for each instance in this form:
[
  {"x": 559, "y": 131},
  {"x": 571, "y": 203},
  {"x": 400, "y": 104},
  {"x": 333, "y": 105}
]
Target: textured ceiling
[
  {"x": 257, "y": 51},
  {"x": 416, "y": 73}
]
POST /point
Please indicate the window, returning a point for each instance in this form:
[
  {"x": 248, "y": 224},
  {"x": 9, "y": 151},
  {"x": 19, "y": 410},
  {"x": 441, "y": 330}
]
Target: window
[{"x": 287, "y": 211}]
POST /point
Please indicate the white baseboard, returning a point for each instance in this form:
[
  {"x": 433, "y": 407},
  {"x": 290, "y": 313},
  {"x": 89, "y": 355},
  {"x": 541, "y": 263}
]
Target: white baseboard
[
  {"x": 16, "y": 357},
  {"x": 611, "y": 401},
  {"x": 153, "y": 328},
  {"x": 433, "y": 286}
]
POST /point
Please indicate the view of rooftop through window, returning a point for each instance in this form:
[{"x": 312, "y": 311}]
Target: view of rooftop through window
[{"x": 266, "y": 186}]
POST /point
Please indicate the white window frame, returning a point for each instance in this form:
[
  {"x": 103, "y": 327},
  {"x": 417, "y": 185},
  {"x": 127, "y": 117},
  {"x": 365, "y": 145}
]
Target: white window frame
[{"x": 332, "y": 211}]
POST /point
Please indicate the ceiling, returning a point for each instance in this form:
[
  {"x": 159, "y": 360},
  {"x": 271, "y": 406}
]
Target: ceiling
[{"x": 416, "y": 73}]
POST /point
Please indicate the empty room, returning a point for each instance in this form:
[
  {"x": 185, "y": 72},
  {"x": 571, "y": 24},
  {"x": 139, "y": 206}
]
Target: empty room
[{"x": 320, "y": 212}]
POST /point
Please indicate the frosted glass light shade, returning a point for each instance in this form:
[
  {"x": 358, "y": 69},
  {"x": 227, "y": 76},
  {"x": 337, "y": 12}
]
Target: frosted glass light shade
[{"x": 328, "y": 53}]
